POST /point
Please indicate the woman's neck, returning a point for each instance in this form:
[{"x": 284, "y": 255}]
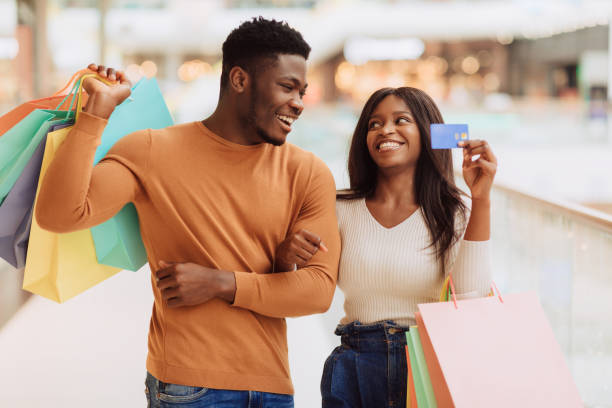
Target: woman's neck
[{"x": 395, "y": 188}]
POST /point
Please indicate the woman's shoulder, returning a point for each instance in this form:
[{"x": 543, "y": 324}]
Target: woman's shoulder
[{"x": 346, "y": 202}]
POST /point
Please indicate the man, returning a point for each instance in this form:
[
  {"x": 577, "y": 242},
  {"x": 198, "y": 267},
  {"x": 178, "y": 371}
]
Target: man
[{"x": 215, "y": 199}]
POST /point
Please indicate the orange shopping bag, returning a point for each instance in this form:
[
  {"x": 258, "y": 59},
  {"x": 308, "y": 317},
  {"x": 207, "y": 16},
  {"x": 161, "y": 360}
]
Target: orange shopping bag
[
  {"x": 11, "y": 118},
  {"x": 494, "y": 352}
]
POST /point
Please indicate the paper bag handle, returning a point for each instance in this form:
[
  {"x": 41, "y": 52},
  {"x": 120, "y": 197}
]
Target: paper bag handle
[
  {"x": 72, "y": 81},
  {"x": 449, "y": 283}
]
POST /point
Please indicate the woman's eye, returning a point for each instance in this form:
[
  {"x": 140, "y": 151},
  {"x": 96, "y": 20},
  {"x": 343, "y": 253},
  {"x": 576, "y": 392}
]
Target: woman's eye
[
  {"x": 403, "y": 120},
  {"x": 373, "y": 125}
]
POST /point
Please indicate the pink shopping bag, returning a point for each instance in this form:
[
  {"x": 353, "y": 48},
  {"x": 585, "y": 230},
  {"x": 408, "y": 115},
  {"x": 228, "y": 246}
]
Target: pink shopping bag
[{"x": 495, "y": 352}]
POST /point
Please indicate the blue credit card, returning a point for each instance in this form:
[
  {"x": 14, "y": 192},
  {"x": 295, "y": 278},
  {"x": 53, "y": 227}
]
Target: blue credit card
[{"x": 445, "y": 136}]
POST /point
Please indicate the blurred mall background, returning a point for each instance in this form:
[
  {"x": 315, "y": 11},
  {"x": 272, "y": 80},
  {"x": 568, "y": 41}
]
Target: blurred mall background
[{"x": 532, "y": 77}]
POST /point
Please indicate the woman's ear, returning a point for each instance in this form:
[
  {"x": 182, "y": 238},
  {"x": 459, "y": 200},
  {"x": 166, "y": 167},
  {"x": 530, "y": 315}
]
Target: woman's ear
[{"x": 239, "y": 79}]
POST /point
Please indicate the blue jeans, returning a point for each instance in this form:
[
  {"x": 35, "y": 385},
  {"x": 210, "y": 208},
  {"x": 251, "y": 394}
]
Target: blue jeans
[
  {"x": 162, "y": 395},
  {"x": 368, "y": 370}
]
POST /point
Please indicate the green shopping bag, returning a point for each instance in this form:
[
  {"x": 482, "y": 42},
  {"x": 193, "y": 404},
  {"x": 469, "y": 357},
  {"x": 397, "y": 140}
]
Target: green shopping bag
[
  {"x": 19, "y": 143},
  {"x": 420, "y": 374},
  {"x": 118, "y": 242}
]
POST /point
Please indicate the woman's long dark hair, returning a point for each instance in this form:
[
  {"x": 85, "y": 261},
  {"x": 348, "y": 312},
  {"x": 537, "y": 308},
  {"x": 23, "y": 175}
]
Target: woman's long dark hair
[{"x": 436, "y": 192}]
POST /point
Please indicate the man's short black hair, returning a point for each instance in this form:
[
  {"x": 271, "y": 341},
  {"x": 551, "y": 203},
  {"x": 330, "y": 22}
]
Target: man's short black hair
[{"x": 258, "y": 39}]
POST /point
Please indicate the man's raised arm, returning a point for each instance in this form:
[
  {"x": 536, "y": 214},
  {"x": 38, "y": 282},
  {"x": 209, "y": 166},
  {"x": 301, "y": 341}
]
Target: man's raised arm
[{"x": 74, "y": 195}]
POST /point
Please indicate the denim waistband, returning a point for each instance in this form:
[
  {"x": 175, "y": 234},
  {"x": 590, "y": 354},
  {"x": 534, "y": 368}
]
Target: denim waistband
[{"x": 371, "y": 337}]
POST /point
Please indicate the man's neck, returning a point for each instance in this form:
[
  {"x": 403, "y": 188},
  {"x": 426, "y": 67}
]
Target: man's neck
[{"x": 226, "y": 123}]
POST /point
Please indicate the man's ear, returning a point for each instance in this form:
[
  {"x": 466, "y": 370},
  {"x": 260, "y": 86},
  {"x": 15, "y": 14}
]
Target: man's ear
[{"x": 239, "y": 79}]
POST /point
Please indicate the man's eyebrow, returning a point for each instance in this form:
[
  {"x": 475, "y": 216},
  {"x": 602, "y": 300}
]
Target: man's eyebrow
[{"x": 295, "y": 81}]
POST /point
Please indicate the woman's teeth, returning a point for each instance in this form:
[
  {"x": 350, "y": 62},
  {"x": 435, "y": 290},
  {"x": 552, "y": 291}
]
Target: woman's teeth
[{"x": 385, "y": 146}]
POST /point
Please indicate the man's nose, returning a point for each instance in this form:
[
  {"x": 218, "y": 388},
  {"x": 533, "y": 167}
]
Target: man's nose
[{"x": 297, "y": 105}]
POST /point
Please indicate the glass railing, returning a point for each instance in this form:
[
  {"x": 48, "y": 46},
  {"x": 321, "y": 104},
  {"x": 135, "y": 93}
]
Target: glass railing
[{"x": 563, "y": 252}]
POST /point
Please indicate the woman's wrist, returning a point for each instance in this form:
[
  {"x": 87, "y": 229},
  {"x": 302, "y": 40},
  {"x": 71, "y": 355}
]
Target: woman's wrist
[{"x": 483, "y": 202}]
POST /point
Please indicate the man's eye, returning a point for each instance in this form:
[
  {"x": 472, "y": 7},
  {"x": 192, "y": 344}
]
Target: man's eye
[{"x": 289, "y": 87}]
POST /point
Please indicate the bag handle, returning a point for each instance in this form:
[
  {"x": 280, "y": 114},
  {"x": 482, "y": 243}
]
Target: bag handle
[
  {"x": 79, "y": 92},
  {"x": 72, "y": 81},
  {"x": 449, "y": 289}
]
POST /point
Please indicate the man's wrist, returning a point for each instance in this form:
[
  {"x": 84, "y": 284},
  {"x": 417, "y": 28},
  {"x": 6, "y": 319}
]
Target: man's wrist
[
  {"x": 100, "y": 105},
  {"x": 226, "y": 286}
]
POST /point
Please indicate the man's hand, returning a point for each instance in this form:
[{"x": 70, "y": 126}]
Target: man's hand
[
  {"x": 297, "y": 250},
  {"x": 188, "y": 284},
  {"x": 104, "y": 98}
]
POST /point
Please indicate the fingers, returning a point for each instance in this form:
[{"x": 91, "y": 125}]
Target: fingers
[
  {"x": 174, "y": 302},
  {"x": 166, "y": 269},
  {"x": 486, "y": 166},
  {"x": 102, "y": 71},
  {"x": 110, "y": 73},
  {"x": 168, "y": 282},
  {"x": 122, "y": 78},
  {"x": 314, "y": 239},
  {"x": 306, "y": 244},
  {"x": 477, "y": 147},
  {"x": 170, "y": 293}
]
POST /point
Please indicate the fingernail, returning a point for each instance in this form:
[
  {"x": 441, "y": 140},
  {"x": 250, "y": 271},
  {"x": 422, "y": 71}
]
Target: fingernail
[{"x": 323, "y": 247}]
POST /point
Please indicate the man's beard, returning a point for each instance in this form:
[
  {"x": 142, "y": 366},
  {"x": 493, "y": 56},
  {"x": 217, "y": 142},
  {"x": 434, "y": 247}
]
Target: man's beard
[{"x": 252, "y": 120}]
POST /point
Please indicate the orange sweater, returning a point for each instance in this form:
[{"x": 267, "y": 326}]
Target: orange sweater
[{"x": 203, "y": 199}]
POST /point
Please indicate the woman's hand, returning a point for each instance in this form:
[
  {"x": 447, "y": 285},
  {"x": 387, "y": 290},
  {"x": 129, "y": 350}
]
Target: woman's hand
[
  {"x": 104, "y": 98},
  {"x": 478, "y": 174},
  {"x": 297, "y": 250}
]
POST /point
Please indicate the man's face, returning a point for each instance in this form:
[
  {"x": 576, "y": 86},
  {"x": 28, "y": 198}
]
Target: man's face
[{"x": 276, "y": 98}]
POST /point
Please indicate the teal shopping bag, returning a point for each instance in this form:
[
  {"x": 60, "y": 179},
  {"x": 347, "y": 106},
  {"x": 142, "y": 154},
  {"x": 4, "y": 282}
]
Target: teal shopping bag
[
  {"x": 19, "y": 143},
  {"x": 118, "y": 242}
]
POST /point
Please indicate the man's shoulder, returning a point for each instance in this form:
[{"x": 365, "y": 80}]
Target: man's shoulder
[
  {"x": 174, "y": 130},
  {"x": 299, "y": 157}
]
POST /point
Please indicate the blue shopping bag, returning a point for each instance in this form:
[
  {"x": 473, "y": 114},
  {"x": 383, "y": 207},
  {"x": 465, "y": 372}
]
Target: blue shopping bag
[{"x": 118, "y": 242}]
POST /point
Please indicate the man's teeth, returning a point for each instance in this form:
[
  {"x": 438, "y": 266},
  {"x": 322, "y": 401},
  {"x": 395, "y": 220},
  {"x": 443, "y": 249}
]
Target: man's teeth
[
  {"x": 389, "y": 146},
  {"x": 287, "y": 119}
]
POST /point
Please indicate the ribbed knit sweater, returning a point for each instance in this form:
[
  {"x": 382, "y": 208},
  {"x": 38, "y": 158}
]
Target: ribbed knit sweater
[{"x": 385, "y": 272}]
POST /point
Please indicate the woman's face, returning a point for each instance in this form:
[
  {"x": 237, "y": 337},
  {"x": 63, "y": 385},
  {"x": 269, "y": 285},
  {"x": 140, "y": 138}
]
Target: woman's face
[{"x": 393, "y": 137}]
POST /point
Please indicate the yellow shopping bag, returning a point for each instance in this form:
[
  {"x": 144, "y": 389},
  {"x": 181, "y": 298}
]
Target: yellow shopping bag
[{"x": 61, "y": 266}]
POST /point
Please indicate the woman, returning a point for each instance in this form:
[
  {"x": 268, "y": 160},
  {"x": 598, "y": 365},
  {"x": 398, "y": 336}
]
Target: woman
[{"x": 404, "y": 227}]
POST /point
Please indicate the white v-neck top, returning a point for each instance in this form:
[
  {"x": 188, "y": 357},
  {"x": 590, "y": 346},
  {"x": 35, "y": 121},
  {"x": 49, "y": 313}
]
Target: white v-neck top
[{"x": 385, "y": 272}]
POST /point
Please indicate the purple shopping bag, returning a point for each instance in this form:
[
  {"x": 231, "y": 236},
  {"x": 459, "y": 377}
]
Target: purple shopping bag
[{"x": 16, "y": 209}]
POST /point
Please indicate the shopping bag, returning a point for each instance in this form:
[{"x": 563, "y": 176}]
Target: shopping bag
[
  {"x": 56, "y": 102},
  {"x": 19, "y": 143},
  {"x": 494, "y": 352},
  {"x": 60, "y": 266},
  {"x": 411, "y": 401},
  {"x": 420, "y": 374},
  {"x": 16, "y": 209},
  {"x": 118, "y": 242}
]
